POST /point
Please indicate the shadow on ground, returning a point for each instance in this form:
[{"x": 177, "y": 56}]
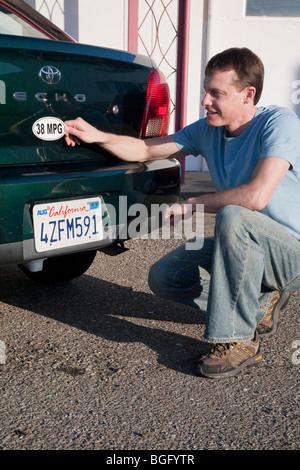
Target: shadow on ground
[{"x": 113, "y": 312}]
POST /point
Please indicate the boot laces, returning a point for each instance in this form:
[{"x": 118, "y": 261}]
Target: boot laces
[{"x": 220, "y": 349}]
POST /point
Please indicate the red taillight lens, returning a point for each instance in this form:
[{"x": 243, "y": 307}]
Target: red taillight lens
[{"x": 156, "y": 117}]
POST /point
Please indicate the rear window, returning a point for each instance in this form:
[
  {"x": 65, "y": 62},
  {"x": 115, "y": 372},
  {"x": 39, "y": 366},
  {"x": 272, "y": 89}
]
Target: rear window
[{"x": 13, "y": 25}]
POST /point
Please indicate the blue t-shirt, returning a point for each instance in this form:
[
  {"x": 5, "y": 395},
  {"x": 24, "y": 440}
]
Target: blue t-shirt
[{"x": 274, "y": 132}]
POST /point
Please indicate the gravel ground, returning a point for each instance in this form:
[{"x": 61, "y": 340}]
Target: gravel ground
[{"x": 101, "y": 363}]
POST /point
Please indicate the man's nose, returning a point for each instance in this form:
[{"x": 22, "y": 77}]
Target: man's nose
[{"x": 206, "y": 100}]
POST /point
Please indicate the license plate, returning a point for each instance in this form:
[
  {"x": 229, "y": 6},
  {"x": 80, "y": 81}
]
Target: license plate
[{"x": 67, "y": 223}]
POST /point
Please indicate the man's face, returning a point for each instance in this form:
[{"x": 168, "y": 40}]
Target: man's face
[{"x": 224, "y": 104}]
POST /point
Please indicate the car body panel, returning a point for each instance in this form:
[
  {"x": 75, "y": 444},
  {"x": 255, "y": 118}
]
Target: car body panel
[
  {"x": 44, "y": 82},
  {"x": 93, "y": 83}
]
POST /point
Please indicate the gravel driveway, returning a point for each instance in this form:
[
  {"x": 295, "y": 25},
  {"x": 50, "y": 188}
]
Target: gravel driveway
[{"x": 101, "y": 363}]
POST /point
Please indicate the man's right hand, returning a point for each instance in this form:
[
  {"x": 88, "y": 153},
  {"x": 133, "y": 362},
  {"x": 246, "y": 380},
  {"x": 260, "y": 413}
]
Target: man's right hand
[{"x": 78, "y": 130}]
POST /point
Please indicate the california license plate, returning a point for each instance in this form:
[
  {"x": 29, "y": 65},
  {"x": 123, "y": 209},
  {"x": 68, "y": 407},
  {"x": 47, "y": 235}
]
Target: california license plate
[{"x": 67, "y": 223}]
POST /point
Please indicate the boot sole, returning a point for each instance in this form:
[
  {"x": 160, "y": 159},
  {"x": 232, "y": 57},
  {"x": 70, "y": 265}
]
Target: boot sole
[{"x": 252, "y": 361}]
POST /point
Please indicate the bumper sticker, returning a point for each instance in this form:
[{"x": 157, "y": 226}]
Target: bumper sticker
[{"x": 48, "y": 128}]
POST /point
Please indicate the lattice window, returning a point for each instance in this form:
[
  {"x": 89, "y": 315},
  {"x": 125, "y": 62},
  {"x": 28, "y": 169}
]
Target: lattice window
[
  {"x": 52, "y": 9},
  {"x": 157, "y": 37}
]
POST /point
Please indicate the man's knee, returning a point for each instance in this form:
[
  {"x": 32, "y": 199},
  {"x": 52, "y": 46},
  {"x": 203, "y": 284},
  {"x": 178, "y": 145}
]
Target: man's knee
[
  {"x": 230, "y": 220},
  {"x": 154, "y": 277}
]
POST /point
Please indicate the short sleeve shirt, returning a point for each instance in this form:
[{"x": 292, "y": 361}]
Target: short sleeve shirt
[{"x": 273, "y": 132}]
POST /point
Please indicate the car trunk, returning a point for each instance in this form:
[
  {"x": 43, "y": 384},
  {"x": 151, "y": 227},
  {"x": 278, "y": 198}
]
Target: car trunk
[{"x": 43, "y": 83}]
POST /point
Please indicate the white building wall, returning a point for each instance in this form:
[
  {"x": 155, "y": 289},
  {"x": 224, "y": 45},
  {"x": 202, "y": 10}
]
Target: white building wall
[
  {"x": 103, "y": 23},
  {"x": 95, "y": 22},
  {"x": 197, "y": 61},
  {"x": 275, "y": 40}
]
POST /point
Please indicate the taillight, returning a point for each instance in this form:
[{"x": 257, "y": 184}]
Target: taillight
[{"x": 156, "y": 117}]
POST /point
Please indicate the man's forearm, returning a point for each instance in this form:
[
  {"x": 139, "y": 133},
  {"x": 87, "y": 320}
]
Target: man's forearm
[
  {"x": 125, "y": 147},
  {"x": 138, "y": 150},
  {"x": 240, "y": 196}
]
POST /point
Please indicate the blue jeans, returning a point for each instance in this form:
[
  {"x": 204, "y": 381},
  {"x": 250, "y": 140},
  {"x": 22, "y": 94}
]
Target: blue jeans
[{"x": 232, "y": 277}]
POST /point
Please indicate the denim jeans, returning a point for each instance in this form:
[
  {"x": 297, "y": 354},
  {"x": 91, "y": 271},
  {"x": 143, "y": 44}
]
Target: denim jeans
[{"x": 232, "y": 277}]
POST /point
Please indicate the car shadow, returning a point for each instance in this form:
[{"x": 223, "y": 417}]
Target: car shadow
[{"x": 112, "y": 312}]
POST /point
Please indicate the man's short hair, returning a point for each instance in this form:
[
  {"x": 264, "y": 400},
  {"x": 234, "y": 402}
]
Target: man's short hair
[{"x": 247, "y": 65}]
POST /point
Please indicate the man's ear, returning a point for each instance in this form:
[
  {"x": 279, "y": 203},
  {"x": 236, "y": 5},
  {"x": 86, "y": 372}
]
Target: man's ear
[{"x": 250, "y": 93}]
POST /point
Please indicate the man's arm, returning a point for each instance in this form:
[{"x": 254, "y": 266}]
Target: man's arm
[
  {"x": 254, "y": 195},
  {"x": 124, "y": 147}
]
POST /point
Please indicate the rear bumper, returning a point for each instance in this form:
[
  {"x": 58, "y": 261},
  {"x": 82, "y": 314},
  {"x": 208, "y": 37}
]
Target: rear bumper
[{"x": 23, "y": 187}]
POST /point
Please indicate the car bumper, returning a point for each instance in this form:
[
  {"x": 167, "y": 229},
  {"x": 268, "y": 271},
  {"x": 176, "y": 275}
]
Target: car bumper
[{"x": 21, "y": 188}]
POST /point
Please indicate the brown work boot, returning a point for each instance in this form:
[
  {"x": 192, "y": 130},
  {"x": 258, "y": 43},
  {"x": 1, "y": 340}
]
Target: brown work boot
[
  {"x": 228, "y": 359},
  {"x": 268, "y": 325}
]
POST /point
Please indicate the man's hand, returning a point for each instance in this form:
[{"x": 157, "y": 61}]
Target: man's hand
[
  {"x": 78, "y": 130},
  {"x": 173, "y": 210}
]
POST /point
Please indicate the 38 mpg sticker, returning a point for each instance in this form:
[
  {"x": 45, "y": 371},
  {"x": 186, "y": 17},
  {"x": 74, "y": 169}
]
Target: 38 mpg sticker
[{"x": 48, "y": 128}]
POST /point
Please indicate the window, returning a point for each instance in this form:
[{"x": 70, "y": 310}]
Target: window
[
  {"x": 287, "y": 8},
  {"x": 11, "y": 24}
]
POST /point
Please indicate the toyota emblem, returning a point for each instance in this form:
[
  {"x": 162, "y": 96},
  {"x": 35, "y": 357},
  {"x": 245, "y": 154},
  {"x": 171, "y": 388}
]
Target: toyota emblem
[{"x": 50, "y": 75}]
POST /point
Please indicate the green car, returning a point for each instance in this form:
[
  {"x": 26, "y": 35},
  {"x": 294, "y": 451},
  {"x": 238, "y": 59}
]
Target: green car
[{"x": 59, "y": 205}]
